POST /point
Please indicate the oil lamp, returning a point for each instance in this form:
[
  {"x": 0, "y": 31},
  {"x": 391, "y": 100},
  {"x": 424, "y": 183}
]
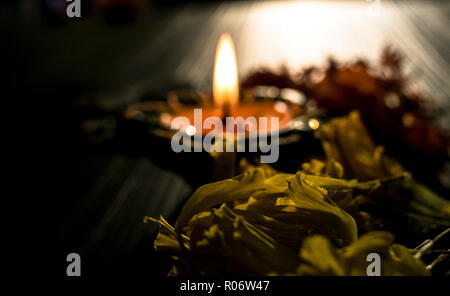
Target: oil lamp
[{"x": 227, "y": 101}]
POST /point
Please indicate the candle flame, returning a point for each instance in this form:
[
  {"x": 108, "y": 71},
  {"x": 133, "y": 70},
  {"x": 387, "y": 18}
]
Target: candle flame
[{"x": 225, "y": 82}]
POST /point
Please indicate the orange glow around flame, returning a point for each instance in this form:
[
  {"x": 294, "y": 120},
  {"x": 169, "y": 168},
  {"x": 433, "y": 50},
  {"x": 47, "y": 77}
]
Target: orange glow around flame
[{"x": 225, "y": 82}]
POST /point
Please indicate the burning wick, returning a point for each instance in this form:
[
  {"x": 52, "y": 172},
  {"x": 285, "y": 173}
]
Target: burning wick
[
  {"x": 225, "y": 112},
  {"x": 225, "y": 80}
]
